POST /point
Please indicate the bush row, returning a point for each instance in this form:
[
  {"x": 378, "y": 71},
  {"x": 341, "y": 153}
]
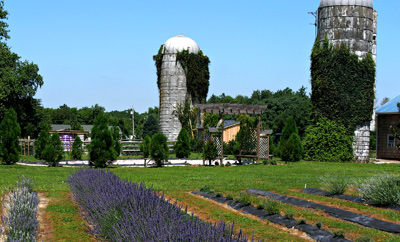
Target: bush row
[
  {"x": 119, "y": 210},
  {"x": 20, "y": 207}
]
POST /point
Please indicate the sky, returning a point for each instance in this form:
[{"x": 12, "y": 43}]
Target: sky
[{"x": 101, "y": 52}]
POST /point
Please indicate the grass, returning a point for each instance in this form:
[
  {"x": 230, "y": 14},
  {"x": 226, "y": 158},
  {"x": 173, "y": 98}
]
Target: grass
[{"x": 176, "y": 182}]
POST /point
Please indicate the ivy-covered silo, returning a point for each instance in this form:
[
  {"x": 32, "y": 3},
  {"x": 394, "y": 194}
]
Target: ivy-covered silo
[
  {"x": 354, "y": 24},
  {"x": 183, "y": 74}
]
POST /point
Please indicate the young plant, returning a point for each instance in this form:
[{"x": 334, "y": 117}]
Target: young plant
[
  {"x": 334, "y": 183},
  {"x": 301, "y": 221},
  {"x": 364, "y": 239},
  {"x": 289, "y": 215},
  {"x": 272, "y": 207},
  {"x": 318, "y": 225}
]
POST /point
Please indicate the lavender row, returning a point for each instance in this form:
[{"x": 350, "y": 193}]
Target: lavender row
[
  {"x": 19, "y": 222},
  {"x": 119, "y": 210}
]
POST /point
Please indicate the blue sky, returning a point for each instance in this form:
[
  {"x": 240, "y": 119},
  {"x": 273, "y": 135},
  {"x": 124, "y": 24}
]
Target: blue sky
[{"x": 101, "y": 51}]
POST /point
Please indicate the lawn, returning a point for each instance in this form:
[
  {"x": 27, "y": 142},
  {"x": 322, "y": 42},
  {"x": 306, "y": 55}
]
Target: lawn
[{"x": 177, "y": 182}]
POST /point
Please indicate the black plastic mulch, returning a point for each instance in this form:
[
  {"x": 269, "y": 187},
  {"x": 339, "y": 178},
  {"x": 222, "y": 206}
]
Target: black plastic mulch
[
  {"x": 313, "y": 232},
  {"x": 333, "y": 211},
  {"x": 356, "y": 199}
]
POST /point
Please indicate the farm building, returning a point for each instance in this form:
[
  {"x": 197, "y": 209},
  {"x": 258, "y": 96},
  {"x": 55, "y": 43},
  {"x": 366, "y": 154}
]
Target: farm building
[{"x": 386, "y": 144}]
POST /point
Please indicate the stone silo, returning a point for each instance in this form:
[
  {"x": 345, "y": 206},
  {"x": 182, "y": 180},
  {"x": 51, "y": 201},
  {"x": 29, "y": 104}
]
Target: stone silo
[
  {"x": 353, "y": 23},
  {"x": 172, "y": 83}
]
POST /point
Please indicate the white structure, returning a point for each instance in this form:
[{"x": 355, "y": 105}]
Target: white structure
[
  {"x": 172, "y": 84},
  {"x": 354, "y": 23}
]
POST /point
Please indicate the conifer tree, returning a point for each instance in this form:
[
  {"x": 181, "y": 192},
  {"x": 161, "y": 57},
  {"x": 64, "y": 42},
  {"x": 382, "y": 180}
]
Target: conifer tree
[
  {"x": 145, "y": 147},
  {"x": 290, "y": 147},
  {"x": 77, "y": 149},
  {"x": 54, "y": 151},
  {"x": 182, "y": 146},
  {"x": 159, "y": 150},
  {"x": 150, "y": 126},
  {"x": 42, "y": 141},
  {"x": 210, "y": 151},
  {"x": 9, "y": 134}
]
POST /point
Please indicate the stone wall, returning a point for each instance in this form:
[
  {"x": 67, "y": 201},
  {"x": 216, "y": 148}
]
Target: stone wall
[
  {"x": 383, "y": 130},
  {"x": 361, "y": 142}
]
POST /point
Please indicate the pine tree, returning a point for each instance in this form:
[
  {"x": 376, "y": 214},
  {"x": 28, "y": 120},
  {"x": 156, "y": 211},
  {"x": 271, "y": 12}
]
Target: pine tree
[
  {"x": 54, "y": 151},
  {"x": 77, "y": 149},
  {"x": 182, "y": 146},
  {"x": 159, "y": 150},
  {"x": 150, "y": 126},
  {"x": 42, "y": 141},
  {"x": 145, "y": 147},
  {"x": 9, "y": 134},
  {"x": 290, "y": 147}
]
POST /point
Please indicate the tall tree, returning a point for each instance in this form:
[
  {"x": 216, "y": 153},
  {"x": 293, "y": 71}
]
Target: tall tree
[
  {"x": 150, "y": 126},
  {"x": 9, "y": 134}
]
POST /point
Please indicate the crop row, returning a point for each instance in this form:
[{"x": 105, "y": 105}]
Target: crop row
[
  {"x": 119, "y": 210},
  {"x": 19, "y": 222}
]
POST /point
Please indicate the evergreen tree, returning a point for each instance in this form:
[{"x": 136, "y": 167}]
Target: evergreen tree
[
  {"x": 53, "y": 151},
  {"x": 159, "y": 150},
  {"x": 182, "y": 146},
  {"x": 145, "y": 147},
  {"x": 116, "y": 138},
  {"x": 77, "y": 149},
  {"x": 102, "y": 147},
  {"x": 9, "y": 134},
  {"x": 150, "y": 126},
  {"x": 210, "y": 151},
  {"x": 42, "y": 141},
  {"x": 290, "y": 148}
]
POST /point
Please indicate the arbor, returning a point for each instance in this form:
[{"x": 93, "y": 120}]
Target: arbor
[
  {"x": 102, "y": 147},
  {"x": 53, "y": 151},
  {"x": 9, "y": 134},
  {"x": 182, "y": 147},
  {"x": 150, "y": 126},
  {"x": 290, "y": 148},
  {"x": 159, "y": 150},
  {"x": 42, "y": 141},
  {"x": 77, "y": 149}
]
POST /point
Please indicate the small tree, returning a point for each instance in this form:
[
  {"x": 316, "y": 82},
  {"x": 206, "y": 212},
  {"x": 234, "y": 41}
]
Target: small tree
[
  {"x": 159, "y": 150},
  {"x": 150, "y": 126},
  {"x": 54, "y": 151},
  {"x": 210, "y": 151},
  {"x": 116, "y": 137},
  {"x": 182, "y": 146},
  {"x": 9, "y": 134},
  {"x": 145, "y": 147},
  {"x": 287, "y": 150},
  {"x": 42, "y": 141},
  {"x": 102, "y": 147},
  {"x": 77, "y": 149}
]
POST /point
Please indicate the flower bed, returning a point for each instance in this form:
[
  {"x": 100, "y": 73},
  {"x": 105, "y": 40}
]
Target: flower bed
[
  {"x": 119, "y": 210},
  {"x": 19, "y": 222}
]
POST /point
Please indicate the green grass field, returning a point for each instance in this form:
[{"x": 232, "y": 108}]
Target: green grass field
[{"x": 176, "y": 182}]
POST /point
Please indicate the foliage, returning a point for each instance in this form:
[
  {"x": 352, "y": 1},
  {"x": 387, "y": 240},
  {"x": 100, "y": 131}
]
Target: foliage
[
  {"x": 42, "y": 141},
  {"x": 245, "y": 135},
  {"x": 342, "y": 85},
  {"x": 102, "y": 147},
  {"x": 318, "y": 225},
  {"x": 211, "y": 120},
  {"x": 182, "y": 146},
  {"x": 334, "y": 183},
  {"x": 396, "y": 131},
  {"x": 121, "y": 209},
  {"x": 210, "y": 151},
  {"x": 77, "y": 149},
  {"x": 145, "y": 146},
  {"x": 116, "y": 138},
  {"x": 187, "y": 116},
  {"x": 53, "y": 151},
  {"x": 9, "y": 134},
  {"x": 159, "y": 150},
  {"x": 197, "y": 145},
  {"x": 364, "y": 239},
  {"x": 382, "y": 189},
  {"x": 231, "y": 148},
  {"x": 290, "y": 147},
  {"x": 3, "y": 25},
  {"x": 21, "y": 208},
  {"x": 327, "y": 141},
  {"x": 271, "y": 206},
  {"x": 150, "y": 126}
]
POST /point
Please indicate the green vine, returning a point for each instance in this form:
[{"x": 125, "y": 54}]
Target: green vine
[
  {"x": 158, "y": 59},
  {"x": 342, "y": 85}
]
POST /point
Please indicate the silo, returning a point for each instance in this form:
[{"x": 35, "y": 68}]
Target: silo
[
  {"x": 353, "y": 23},
  {"x": 172, "y": 83}
]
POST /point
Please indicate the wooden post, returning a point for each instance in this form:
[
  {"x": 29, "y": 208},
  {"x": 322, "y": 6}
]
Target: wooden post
[
  {"x": 258, "y": 139},
  {"x": 29, "y": 142}
]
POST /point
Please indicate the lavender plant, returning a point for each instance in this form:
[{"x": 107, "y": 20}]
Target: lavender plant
[
  {"x": 20, "y": 206},
  {"x": 119, "y": 210},
  {"x": 382, "y": 189},
  {"x": 334, "y": 183}
]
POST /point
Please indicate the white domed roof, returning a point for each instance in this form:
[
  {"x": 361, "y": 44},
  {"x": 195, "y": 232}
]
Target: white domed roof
[
  {"x": 366, "y": 3},
  {"x": 179, "y": 43}
]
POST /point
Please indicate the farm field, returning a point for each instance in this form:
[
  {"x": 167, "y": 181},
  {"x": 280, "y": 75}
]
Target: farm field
[{"x": 63, "y": 222}]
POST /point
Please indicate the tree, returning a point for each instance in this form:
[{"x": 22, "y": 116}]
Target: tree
[
  {"x": 102, "y": 147},
  {"x": 210, "y": 151},
  {"x": 77, "y": 149},
  {"x": 159, "y": 150},
  {"x": 53, "y": 151},
  {"x": 187, "y": 116},
  {"x": 42, "y": 141},
  {"x": 145, "y": 147},
  {"x": 150, "y": 126},
  {"x": 9, "y": 134},
  {"x": 116, "y": 137},
  {"x": 290, "y": 148},
  {"x": 182, "y": 147},
  {"x": 396, "y": 131}
]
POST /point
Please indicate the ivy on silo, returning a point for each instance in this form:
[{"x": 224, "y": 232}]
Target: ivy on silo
[
  {"x": 158, "y": 59},
  {"x": 342, "y": 84}
]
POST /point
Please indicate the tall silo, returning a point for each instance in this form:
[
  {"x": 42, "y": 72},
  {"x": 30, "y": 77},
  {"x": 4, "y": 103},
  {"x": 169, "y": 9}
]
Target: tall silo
[
  {"x": 353, "y": 23},
  {"x": 172, "y": 83}
]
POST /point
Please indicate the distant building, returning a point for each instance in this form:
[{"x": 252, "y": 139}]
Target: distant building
[{"x": 386, "y": 144}]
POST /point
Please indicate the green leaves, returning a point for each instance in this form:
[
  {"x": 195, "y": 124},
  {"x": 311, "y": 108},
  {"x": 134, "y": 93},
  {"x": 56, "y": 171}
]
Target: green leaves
[{"x": 9, "y": 134}]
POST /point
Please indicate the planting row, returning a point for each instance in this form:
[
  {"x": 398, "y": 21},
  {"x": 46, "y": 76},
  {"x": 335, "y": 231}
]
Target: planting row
[
  {"x": 19, "y": 222},
  {"x": 119, "y": 210}
]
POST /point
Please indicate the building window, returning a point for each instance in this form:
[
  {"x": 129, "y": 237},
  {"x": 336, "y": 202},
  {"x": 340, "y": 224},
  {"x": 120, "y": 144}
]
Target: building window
[{"x": 390, "y": 141}]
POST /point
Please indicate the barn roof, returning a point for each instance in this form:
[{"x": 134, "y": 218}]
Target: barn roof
[{"x": 389, "y": 107}]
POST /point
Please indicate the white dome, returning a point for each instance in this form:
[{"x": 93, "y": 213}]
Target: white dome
[
  {"x": 365, "y": 3},
  {"x": 178, "y": 43}
]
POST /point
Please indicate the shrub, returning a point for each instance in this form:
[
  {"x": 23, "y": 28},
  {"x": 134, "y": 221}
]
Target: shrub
[
  {"x": 159, "y": 150},
  {"x": 205, "y": 188},
  {"x": 77, "y": 149},
  {"x": 231, "y": 148},
  {"x": 210, "y": 151},
  {"x": 245, "y": 199},
  {"x": 327, "y": 141},
  {"x": 182, "y": 146},
  {"x": 197, "y": 145},
  {"x": 54, "y": 151},
  {"x": 145, "y": 147},
  {"x": 9, "y": 134},
  {"x": 318, "y": 225},
  {"x": 334, "y": 183},
  {"x": 289, "y": 215},
  {"x": 228, "y": 164},
  {"x": 382, "y": 189},
  {"x": 272, "y": 207},
  {"x": 338, "y": 233},
  {"x": 290, "y": 147},
  {"x": 301, "y": 221}
]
